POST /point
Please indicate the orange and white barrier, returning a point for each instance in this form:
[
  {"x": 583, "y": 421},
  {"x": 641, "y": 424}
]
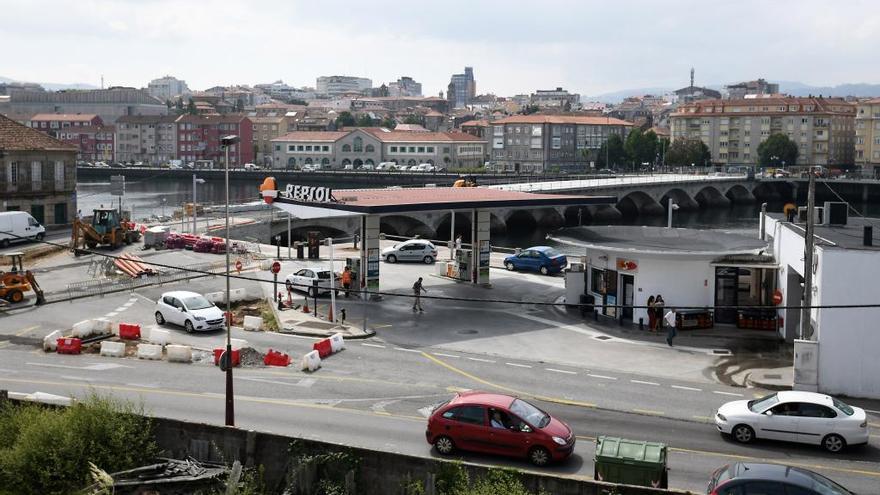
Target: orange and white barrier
[
  {"x": 311, "y": 361},
  {"x": 50, "y": 342},
  {"x": 337, "y": 343}
]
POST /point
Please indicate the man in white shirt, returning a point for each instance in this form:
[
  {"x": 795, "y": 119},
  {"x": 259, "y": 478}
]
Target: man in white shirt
[{"x": 671, "y": 332}]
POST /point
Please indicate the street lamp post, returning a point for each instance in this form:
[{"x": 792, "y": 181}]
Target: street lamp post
[
  {"x": 163, "y": 209},
  {"x": 196, "y": 180},
  {"x": 672, "y": 207},
  {"x": 226, "y": 142}
]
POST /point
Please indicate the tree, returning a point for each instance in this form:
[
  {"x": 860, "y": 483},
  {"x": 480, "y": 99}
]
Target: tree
[
  {"x": 296, "y": 101},
  {"x": 412, "y": 119},
  {"x": 388, "y": 123},
  {"x": 364, "y": 121},
  {"x": 777, "y": 150},
  {"x": 687, "y": 152},
  {"x": 345, "y": 119},
  {"x": 529, "y": 109},
  {"x": 191, "y": 107},
  {"x": 640, "y": 147},
  {"x": 613, "y": 149}
]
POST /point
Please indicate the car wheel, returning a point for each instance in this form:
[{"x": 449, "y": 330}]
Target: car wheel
[
  {"x": 15, "y": 296},
  {"x": 188, "y": 326},
  {"x": 509, "y": 266},
  {"x": 39, "y": 237},
  {"x": 444, "y": 445},
  {"x": 743, "y": 433},
  {"x": 428, "y": 260},
  {"x": 544, "y": 270},
  {"x": 391, "y": 258},
  {"x": 833, "y": 443},
  {"x": 4, "y": 243},
  {"x": 159, "y": 318},
  {"x": 539, "y": 456}
]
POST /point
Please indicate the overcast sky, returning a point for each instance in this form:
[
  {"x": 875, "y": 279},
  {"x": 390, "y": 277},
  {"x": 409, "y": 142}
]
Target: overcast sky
[{"x": 514, "y": 46}]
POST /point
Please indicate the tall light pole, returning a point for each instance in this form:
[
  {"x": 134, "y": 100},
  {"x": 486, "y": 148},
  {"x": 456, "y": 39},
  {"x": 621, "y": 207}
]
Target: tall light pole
[
  {"x": 226, "y": 142},
  {"x": 196, "y": 180}
]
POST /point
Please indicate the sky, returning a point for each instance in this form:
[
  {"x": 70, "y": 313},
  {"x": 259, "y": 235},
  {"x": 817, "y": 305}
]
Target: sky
[{"x": 588, "y": 47}]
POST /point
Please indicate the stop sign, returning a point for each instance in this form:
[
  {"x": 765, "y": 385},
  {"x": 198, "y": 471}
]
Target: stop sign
[
  {"x": 238, "y": 265},
  {"x": 777, "y": 297},
  {"x": 276, "y": 267}
]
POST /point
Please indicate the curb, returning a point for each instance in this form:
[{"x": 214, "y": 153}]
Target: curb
[
  {"x": 361, "y": 336},
  {"x": 768, "y": 386}
]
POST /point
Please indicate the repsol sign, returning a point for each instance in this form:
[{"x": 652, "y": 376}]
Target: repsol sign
[{"x": 312, "y": 194}]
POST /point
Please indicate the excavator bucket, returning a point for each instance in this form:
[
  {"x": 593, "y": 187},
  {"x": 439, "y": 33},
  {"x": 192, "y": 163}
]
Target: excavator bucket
[{"x": 41, "y": 298}]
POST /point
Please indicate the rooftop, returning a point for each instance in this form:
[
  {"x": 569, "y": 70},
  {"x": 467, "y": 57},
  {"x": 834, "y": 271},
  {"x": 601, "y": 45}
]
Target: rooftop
[
  {"x": 664, "y": 241},
  {"x": 17, "y": 137},
  {"x": 847, "y": 236},
  {"x": 561, "y": 119},
  {"x": 66, "y": 117},
  {"x": 325, "y": 136}
]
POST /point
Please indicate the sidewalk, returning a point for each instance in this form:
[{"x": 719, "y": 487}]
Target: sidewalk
[{"x": 314, "y": 323}]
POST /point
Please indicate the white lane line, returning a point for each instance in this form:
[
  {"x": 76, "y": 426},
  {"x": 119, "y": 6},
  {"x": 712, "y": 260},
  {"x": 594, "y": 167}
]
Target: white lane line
[
  {"x": 561, "y": 371},
  {"x": 481, "y": 360},
  {"x": 872, "y": 411},
  {"x": 120, "y": 309},
  {"x": 446, "y": 355},
  {"x": 727, "y": 393},
  {"x": 373, "y": 345},
  {"x": 602, "y": 376},
  {"x": 518, "y": 365},
  {"x": 645, "y": 383},
  {"x": 111, "y": 314},
  {"x": 692, "y": 389},
  {"x": 407, "y": 350}
]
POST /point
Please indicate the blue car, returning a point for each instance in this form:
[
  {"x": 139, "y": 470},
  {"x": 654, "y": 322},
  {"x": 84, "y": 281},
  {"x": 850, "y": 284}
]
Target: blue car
[{"x": 542, "y": 259}]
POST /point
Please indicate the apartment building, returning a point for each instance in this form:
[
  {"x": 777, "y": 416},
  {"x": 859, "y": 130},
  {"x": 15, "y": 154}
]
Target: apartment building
[
  {"x": 867, "y": 147},
  {"x": 462, "y": 88},
  {"x": 167, "y": 88},
  {"x": 823, "y": 128},
  {"x": 340, "y": 85},
  {"x": 555, "y": 98},
  {"x": 404, "y": 86},
  {"x": 151, "y": 139},
  {"x": 539, "y": 143},
  {"x": 37, "y": 174},
  {"x": 109, "y": 104},
  {"x": 198, "y": 138},
  {"x": 265, "y": 130},
  {"x": 87, "y": 132},
  {"x": 373, "y": 145}
]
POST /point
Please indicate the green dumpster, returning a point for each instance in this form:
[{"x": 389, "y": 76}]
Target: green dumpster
[{"x": 630, "y": 462}]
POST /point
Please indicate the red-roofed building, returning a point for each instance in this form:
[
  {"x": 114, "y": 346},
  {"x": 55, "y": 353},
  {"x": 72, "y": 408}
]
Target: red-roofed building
[
  {"x": 539, "y": 143},
  {"x": 87, "y": 132},
  {"x": 198, "y": 138}
]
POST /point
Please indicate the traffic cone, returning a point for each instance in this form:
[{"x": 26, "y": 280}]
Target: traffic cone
[
  {"x": 289, "y": 299},
  {"x": 306, "y": 304},
  {"x": 330, "y": 313}
]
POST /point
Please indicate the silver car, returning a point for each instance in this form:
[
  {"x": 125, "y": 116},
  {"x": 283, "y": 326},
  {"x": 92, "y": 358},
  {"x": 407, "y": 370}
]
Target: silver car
[{"x": 411, "y": 250}]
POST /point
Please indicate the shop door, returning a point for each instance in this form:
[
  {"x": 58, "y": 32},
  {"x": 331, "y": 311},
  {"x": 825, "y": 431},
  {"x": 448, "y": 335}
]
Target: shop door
[
  {"x": 38, "y": 212},
  {"x": 611, "y": 293},
  {"x": 627, "y": 281},
  {"x": 725, "y": 294},
  {"x": 60, "y": 213}
]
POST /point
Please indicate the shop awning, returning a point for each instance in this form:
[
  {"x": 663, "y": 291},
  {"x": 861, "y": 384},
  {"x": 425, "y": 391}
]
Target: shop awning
[{"x": 746, "y": 261}]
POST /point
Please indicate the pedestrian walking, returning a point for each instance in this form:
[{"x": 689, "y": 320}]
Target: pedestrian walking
[
  {"x": 346, "y": 280},
  {"x": 417, "y": 290},
  {"x": 457, "y": 246},
  {"x": 671, "y": 332},
  {"x": 659, "y": 306},
  {"x": 652, "y": 316}
]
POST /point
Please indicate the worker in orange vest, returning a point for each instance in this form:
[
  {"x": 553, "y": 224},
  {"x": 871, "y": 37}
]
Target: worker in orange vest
[{"x": 346, "y": 280}]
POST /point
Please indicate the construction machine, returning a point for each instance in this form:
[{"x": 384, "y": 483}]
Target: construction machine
[
  {"x": 108, "y": 228},
  {"x": 17, "y": 281},
  {"x": 465, "y": 181}
]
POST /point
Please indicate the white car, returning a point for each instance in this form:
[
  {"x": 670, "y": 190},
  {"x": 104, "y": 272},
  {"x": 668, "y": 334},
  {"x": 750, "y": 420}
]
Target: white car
[
  {"x": 303, "y": 280},
  {"x": 251, "y": 166},
  {"x": 308, "y": 168},
  {"x": 189, "y": 310},
  {"x": 804, "y": 417},
  {"x": 411, "y": 250},
  {"x": 386, "y": 166}
]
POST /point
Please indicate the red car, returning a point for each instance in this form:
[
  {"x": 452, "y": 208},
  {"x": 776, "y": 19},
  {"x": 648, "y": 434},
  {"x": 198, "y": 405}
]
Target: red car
[{"x": 499, "y": 424}]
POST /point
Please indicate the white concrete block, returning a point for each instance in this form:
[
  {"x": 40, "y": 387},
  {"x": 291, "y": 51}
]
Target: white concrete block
[
  {"x": 311, "y": 361},
  {"x": 149, "y": 351},
  {"x": 83, "y": 328},
  {"x": 179, "y": 353},
  {"x": 236, "y": 295},
  {"x": 159, "y": 336},
  {"x": 265, "y": 264},
  {"x": 50, "y": 342},
  {"x": 112, "y": 349},
  {"x": 253, "y": 323},
  {"x": 337, "y": 343},
  {"x": 215, "y": 297},
  {"x": 102, "y": 326},
  {"x": 238, "y": 344}
]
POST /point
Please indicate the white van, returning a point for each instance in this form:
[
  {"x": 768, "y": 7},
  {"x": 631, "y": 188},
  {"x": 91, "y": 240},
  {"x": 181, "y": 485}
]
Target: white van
[
  {"x": 251, "y": 166},
  {"x": 386, "y": 166},
  {"x": 19, "y": 226}
]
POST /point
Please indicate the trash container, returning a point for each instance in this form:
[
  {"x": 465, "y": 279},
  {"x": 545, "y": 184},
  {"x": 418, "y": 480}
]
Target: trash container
[
  {"x": 299, "y": 250},
  {"x": 314, "y": 245},
  {"x": 631, "y": 462},
  {"x": 588, "y": 304}
]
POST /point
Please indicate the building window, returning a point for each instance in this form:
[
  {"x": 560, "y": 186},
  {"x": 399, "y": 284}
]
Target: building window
[
  {"x": 346, "y": 148},
  {"x": 446, "y": 149},
  {"x": 36, "y": 174},
  {"x": 498, "y": 130},
  {"x": 325, "y": 148},
  {"x": 370, "y": 148},
  {"x": 358, "y": 145},
  {"x": 412, "y": 149},
  {"x": 393, "y": 149},
  {"x": 300, "y": 147},
  {"x": 421, "y": 149},
  {"x": 557, "y": 143},
  {"x": 59, "y": 175},
  {"x": 12, "y": 173},
  {"x": 308, "y": 147},
  {"x": 430, "y": 149}
]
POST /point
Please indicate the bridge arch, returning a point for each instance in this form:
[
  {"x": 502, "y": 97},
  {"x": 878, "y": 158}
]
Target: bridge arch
[
  {"x": 576, "y": 216},
  {"x": 462, "y": 225},
  {"x": 711, "y": 197},
  {"x": 548, "y": 217},
  {"x": 639, "y": 203},
  {"x": 404, "y": 225},
  {"x": 681, "y": 198},
  {"x": 521, "y": 221},
  {"x": 738, "y": 194}
]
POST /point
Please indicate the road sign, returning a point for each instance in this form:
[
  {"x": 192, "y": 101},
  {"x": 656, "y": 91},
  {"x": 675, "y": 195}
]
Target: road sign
[
  {"x": 224, "y": 361},
  {"x": 276, "y": 267},
  {"x": 238, "y": 266},
  {"x": 777, "y": 297},
  {"x": 117, "y": 185}
]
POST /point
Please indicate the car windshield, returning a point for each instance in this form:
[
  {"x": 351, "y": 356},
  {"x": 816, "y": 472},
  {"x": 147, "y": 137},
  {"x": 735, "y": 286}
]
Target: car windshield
[
  {"x": 530, "y": 413},
  {"x": 551, "y": 253},
  {"x": 197, "y": 302},
  {"x": 845, "y": 408},
  {"x": 759, "y": 405},
  {"x": 325, "y": 275}
]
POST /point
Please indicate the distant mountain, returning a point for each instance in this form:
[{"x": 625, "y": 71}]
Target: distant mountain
[
  {"x": 618, "y": 96},
  {"x": 54, "y": 86},
  {"x": 795, "y": 88}
]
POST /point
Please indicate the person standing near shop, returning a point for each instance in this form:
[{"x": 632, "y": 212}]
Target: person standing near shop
[
  {"x": 659, "y": 306},
  {"x": 417, "y": 290},
  {"x": 671, "y": 332},
  {"x": 457, "y": 246},
  {"x": 652, "y": 316},
  {"x": 346, "y": 280}
]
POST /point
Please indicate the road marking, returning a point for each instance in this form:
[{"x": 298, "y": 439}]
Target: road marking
[
  {"x": 93, "y": 367},
  {"x": 692, "y": 389},
  {"x": 561, "y": 371},
  {"x": 518, "y": 365},
  {"x": 727, "y": 393},
  {"x": 120, "y": 309},
  {"x": 874, "y": 425},
  {"x": 382, "y": 326},
  {"x": 407, "y": 350},
  {"x": 872, "y": 411},
  {"x": 457, "y": 389},
  {"x": 373, "y": 345},
  {"x": 645, "y": 383},
  {"x": 481, "y": 360},
  {"x": 26, "y": 330},
  {"x": 702, "y": 418},
  {"x": 602, "y": 376},
  {"x": 647, "y": 411},
  {"x": 111, "y": 314},
  {"x": 502, "y": 387},
  {"x": 446, "y": 355}
]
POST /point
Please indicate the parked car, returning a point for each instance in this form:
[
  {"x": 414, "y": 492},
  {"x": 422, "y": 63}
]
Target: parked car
[
  {"x": 753, "y": 478},
  {"x": 386, "y": 166},
  {"x": 18, "y": 226},
  {"x": 251, "y": 166},
  {"x": 543, "y": 259},
  {"x": 424, "y": 167},
  {"x": 189, "y": 310},
  {"x": 303, "y": 280},
  {"x": 348, "y": 167},
  {"x": 411, "y": 250},
  {"x": 498, "y": 424},
  {"x": 308, "y": 168},
  {"x": 803, "y": 417},
  {"x": 367, "y": 166}
]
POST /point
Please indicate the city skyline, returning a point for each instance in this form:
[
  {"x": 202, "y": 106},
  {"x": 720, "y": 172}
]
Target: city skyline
[{"x": 131, "y": 43}]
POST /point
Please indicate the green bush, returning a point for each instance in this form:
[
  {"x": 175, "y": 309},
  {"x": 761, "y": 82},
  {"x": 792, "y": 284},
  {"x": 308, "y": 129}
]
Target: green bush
[{"x": 47, "y": 450}]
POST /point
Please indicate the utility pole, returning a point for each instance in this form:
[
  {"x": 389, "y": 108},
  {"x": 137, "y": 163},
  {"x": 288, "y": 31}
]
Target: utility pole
[{"x": 806, "y": 327}]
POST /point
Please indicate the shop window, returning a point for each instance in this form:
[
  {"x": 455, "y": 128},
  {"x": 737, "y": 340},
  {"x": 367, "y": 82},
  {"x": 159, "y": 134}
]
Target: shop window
[{"x": 597, "y": 281}]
